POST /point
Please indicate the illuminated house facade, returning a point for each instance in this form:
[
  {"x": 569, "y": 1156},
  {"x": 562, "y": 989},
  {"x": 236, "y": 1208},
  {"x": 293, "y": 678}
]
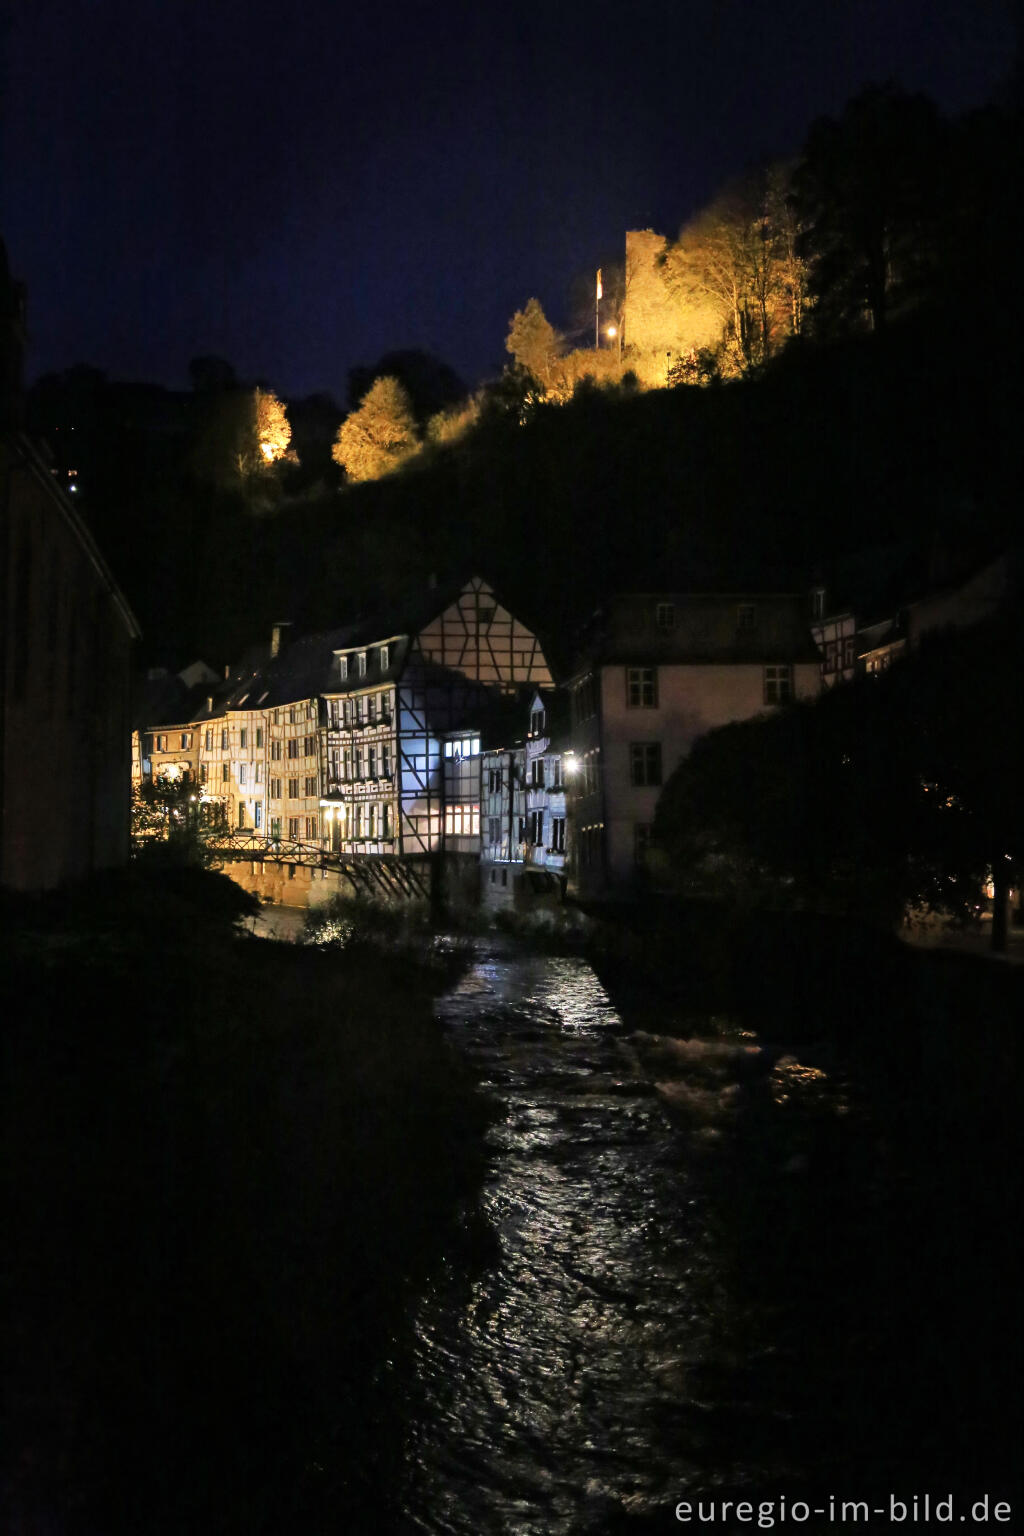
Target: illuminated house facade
[
  {"x": 523, "y": 823},
  {"x": 658, "y": 671},
  {"x": 361, "y": 743},
  {"x": 406, "y": 713}
]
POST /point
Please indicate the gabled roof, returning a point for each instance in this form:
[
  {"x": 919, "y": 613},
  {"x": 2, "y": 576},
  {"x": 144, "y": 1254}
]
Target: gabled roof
[{"x": 688, "y": 628}]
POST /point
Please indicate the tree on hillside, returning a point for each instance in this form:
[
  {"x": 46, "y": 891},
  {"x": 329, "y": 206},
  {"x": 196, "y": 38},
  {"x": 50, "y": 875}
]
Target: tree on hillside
[
  {"x": 431, "y": 385},
  {"x": 868, "y": 191},
  {"x": 740, "y": 256},
  {"x": 242, "y": 434},
  {"x": 378, "y": 437},
  {"x": 533, "y": 341}
]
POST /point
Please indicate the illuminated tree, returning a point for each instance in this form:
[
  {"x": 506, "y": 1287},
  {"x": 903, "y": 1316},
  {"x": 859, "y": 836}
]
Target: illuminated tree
[
  {"x": 533, "y": 341},
  {"x": 243, "y": 434},
  {"x": 739, "y": 256},
  {"x": 378, "y": 437},
  {"x": 273, "y": 434}
]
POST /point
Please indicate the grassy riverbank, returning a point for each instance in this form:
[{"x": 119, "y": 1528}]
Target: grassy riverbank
[{"x": 227, "y": 1162}]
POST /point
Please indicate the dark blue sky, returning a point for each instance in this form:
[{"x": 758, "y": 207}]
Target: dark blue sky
[{"x": 303, "y": 187}]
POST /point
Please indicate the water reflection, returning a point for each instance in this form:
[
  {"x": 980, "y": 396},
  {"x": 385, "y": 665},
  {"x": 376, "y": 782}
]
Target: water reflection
[{"x": 548, "y": 1389}]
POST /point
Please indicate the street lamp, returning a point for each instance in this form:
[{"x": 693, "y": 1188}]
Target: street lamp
[{"x": 611, "y": 333}]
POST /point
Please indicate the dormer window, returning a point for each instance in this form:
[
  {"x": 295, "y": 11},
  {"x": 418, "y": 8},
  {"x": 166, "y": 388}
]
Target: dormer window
[
  {"x": 361, "y": 664},
  {"x": 384, "y": 658},
  {"x": 343, "y": 667},
  {"x": 537, "y": 723}
]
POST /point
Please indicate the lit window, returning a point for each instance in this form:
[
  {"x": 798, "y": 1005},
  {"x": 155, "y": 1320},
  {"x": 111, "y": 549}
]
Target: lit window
[{"x": 343, "y": 667}]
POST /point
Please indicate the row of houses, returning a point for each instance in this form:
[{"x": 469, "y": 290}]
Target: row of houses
[
  {"x": 382, "y": 751},
  {"x": 435, "y": 745}
]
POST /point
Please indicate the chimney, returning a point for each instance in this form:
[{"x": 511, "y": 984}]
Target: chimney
[
  {"x": 209, "y": 703},
  {"x": 227, "y": 673},
  {"x": 276, "y": 635}
]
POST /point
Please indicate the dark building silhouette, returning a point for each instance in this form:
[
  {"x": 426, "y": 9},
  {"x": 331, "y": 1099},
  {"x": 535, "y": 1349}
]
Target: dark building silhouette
[{"x": 66, "y": 636}]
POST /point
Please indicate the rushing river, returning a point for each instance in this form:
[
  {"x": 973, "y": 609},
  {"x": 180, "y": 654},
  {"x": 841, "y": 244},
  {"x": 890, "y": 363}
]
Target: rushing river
[{"x": 564, "y": 1387}]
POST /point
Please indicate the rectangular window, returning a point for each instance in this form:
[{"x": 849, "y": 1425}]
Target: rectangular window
[
  {"x": 346, "y": 761},
  {"x": 310, "y": 745},
  {"x": 291, "y": 715},
  {"x": 243, "y": 736},
  {"x": 359, "y": 762},
  {"x": 243, "y": 772},
  {"x": 224, "y": 739},
  {"x": 641, "y": 687},
  {"x": 310, "y": 784},
  {"x": 348, "y": 712},
  {"x": 209, "y": 741},
  {"x": 384, "y": 658},
  {"x": 312, "y": 830},
  {"x": 293, "y": 789},
  {"x": 293, "y": 827},
  {"x": 275, "y": 789},
  {"x": 343, "y": 667},
  {"x": 259, "y": 736},
  {"x": 537, "y": 723},
  {"x": 746, "y": 619},
  {"x": 537, "y": 773},
  {"x": 293, "y": 746},
  {"x": 558, "y": 834},
  {"x": 275, "y": 751},
  {"x": 186, "y": 740},
  {"x": 494, "y": 781},
  {"x": 371, "y": 762},
  {"x": 642, "y": 832},
  {"x": 778, "y": 685},
  {"x": 556, "y": 772},
  {"x": 202, "y": 773},
  {"x": 225, "y": 772},
  {"x": 275, "y": 826},
  {"x": 259, "y": 773},
  {"x": 361, "y": 664},
  {"x": 462, "y": 820},
  {"x": 645, "y": 762},
  {"x": 371, "y": 709},
  {"x": 494, "y": 830},
  {"x": 665, "y": 617},
  {"x": 535, "y": 828},
  {"x": 385, "y": 761},
  {"x": 257, "y": 814},
  {"x": 385, "y": 823},
  {"x": 241, "y": 813}
]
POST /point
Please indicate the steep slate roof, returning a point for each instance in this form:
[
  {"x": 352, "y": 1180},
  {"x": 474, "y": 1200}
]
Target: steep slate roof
[{"x": 706, "y": 629}]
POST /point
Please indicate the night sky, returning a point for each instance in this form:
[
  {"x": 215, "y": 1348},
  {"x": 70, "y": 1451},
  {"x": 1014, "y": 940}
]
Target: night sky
[{"x": 303, "y": 187}]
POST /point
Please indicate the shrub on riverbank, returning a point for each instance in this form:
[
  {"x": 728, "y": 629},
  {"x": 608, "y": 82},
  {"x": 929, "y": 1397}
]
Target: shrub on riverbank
[
  {"x": 228, "y": 1162},
  {"x": 402, "y": 935}
]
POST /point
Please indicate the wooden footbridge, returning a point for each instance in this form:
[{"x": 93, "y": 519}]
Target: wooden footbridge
[{"x": 372, "y": 874}]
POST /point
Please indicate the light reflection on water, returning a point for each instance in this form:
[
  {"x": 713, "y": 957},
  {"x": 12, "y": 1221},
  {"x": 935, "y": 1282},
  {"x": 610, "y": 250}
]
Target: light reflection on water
[{"x": 551, "y": 1390}]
